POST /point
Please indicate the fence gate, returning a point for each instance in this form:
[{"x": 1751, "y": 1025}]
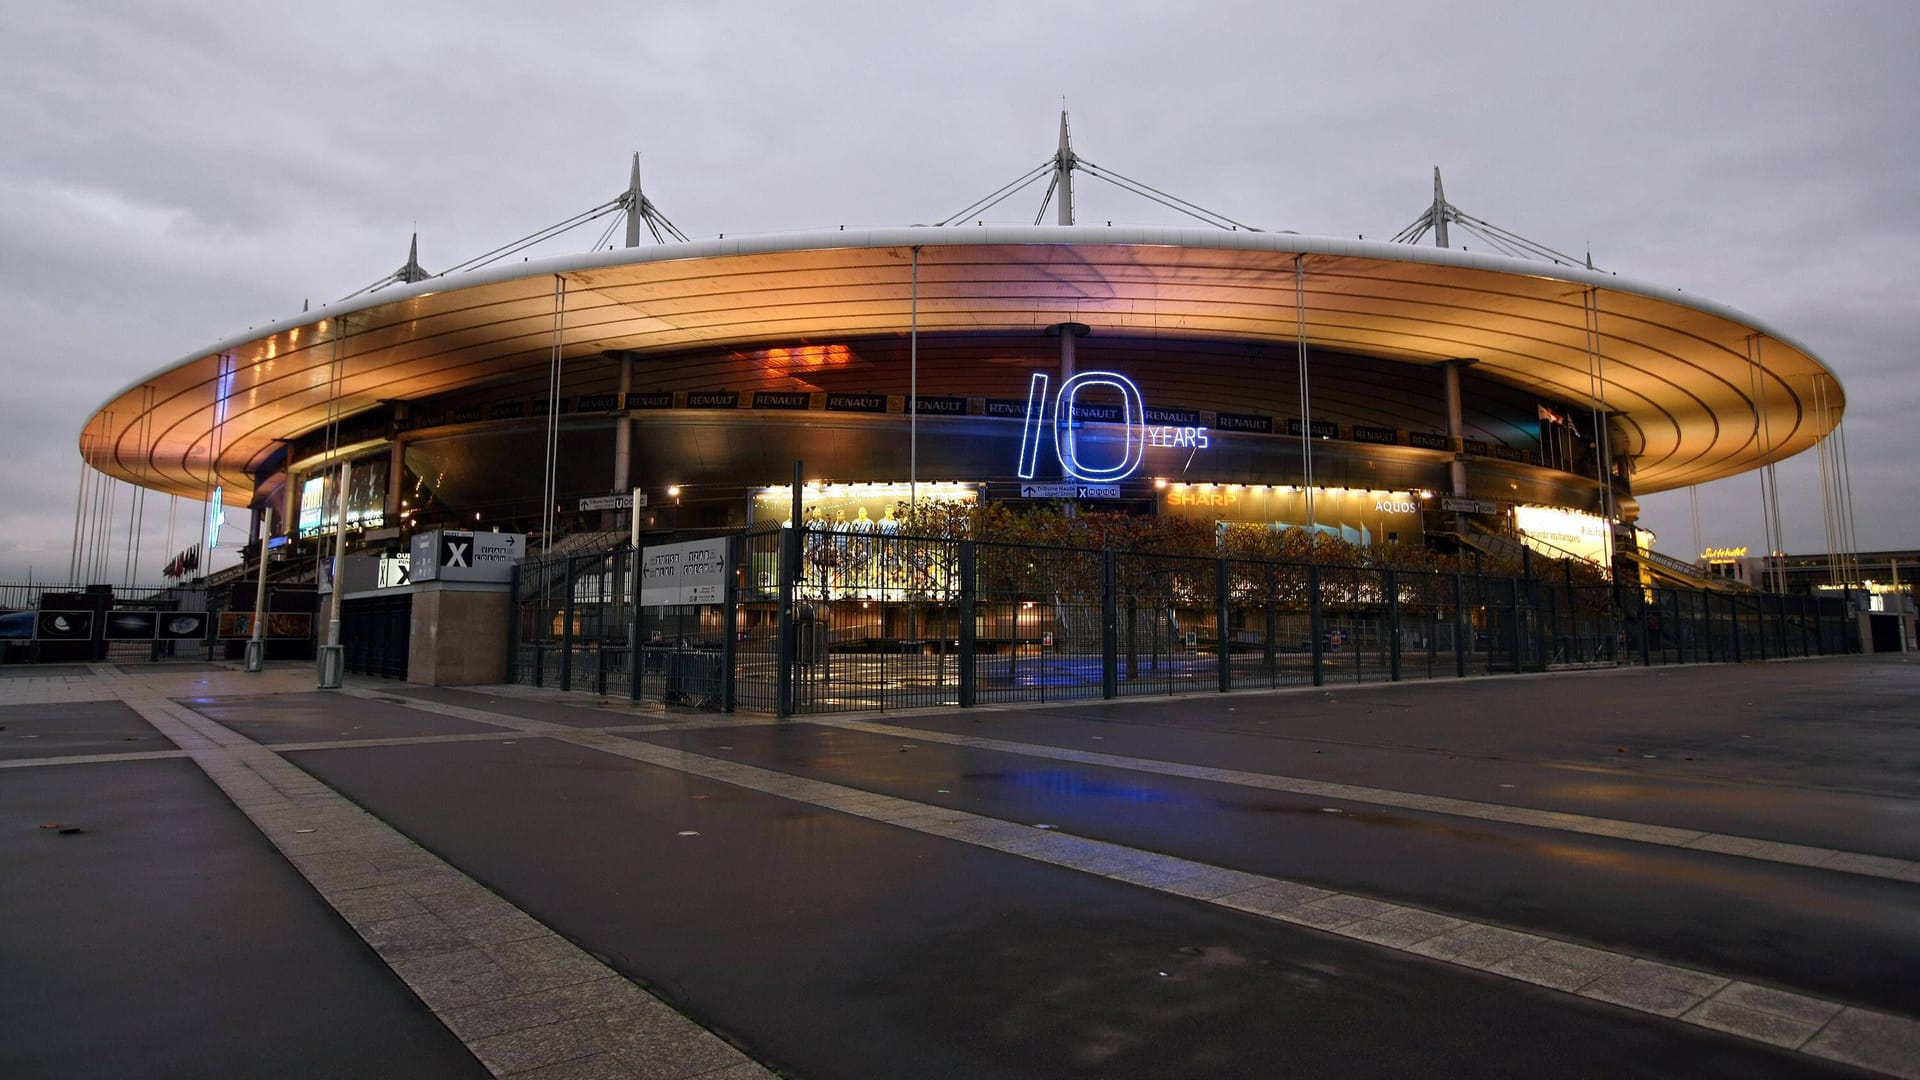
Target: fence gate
[{"x": 376, "y": 631}]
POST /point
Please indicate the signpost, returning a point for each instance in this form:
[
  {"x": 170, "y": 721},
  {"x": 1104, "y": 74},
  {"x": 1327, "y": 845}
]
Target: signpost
[
  {"x": 614, "y": 502},
  {"x": 450, "y": 555},
  {"x": 333, "y": 657},
  {"x": 256, "y": 653},
  {"x": 693, "y": 572}
]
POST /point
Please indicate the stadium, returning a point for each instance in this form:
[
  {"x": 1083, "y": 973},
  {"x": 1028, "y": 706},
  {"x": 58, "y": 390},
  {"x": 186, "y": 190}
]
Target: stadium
[{"x": 1384, "y": 392}]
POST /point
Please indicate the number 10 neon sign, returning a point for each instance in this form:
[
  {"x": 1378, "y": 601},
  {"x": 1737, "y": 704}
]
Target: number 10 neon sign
[{"x": 1133, "y": 419}]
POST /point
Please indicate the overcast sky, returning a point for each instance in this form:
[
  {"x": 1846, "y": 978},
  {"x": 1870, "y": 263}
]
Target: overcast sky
[{"x": 174, "y": 173}]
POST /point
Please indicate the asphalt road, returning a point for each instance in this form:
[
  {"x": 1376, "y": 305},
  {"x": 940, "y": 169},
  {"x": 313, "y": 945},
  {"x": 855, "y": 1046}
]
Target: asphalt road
[
  {"x": 1847, "y": 936},
  {"x": 833, "y": 946},
  {"x": 167, "y": 938},
  {"x": 74, "y": 728},
  {"x": 1820, "y": 753}
]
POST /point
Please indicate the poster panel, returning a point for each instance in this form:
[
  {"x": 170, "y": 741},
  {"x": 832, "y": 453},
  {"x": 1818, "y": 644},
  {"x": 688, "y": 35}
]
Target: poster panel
[
  {"x": 131, "y": 625},
  {"x": 64, "y": 626}
]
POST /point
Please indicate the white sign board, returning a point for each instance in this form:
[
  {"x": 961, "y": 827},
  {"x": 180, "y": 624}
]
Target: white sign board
[
  {"x": 1048, "y": 491},
  {"x": 449, "y": 555},
  {"x": 613, "y": 502},
  {"x": 694, "y": 572},
  {"x": 1069, "y": 491},
  {"x": 393, "y": 570}
]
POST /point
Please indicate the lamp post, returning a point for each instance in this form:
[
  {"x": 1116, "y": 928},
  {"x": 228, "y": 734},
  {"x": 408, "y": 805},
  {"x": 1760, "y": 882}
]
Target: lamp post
[
  {"x": 257, "y": 640},
  {"x": 332, "y": 657}
]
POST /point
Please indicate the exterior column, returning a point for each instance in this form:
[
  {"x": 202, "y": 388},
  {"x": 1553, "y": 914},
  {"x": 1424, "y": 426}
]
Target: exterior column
[
  {"x": 396, "y": 467},
  {"x": 290, "y": 502},
  {"x": 1456, "y": 427},
  {"x": 1067, "y": 332},
  {"x": 396, "y": 482},
  {"x": 623, "y": 433},
  {"x": 1456, "y": 434}
]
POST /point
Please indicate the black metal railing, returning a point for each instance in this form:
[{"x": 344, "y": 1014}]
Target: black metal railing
[{"x": 824, "y": 621}]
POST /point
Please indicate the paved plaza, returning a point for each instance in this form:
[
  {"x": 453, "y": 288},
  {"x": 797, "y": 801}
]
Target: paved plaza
[{"x": 1700, "y": 871}]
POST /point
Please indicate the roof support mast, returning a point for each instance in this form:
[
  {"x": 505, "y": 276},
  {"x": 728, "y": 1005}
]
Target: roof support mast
[
  {"x": 634, "y": 202},
  {"x": 1063, "y": 165},
  {"x": 1501, "y": 241},
  {"x": 640, "y": 210},
  {"x": 1058, "y": 171}
]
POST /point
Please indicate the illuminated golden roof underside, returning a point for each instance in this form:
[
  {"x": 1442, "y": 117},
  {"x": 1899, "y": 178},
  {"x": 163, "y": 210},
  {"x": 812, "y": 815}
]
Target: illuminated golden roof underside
[{"x": 1676, "y": 369}]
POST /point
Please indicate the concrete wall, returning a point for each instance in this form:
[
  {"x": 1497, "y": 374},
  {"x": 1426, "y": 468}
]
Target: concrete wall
[{"x": 459, "y": 634}]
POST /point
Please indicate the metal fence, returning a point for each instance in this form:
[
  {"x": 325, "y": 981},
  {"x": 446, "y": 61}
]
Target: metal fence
[
  {"x": 19, "y": 597},
  {"x": 822, "y": 621},
  {"x": 572, "y": 623}
]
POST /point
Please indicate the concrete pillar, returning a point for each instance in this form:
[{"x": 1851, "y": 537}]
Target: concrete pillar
[
  {"x": 290, "y": 496},
  {"x": 1068, "y": 332},
  {"x": 1456, "y": 426},
  {"x": 396, "y": 467},
  {"x": 1456, "y": 434},
  {"x": 458, "y": 633},
  {"x": 623, "y": 433},
  {"x": 396, "y": 481}
]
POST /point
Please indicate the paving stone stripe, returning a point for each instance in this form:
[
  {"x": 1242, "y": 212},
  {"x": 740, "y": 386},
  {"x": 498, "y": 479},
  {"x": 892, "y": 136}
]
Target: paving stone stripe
[
  {"x": 524, "y": 1000},
  {"x": 1848, "y": 862},
  {"x": 1861, "y": 1037},
  {"x": 92, "y": 759},
  {"x": 506, "y": 735}
]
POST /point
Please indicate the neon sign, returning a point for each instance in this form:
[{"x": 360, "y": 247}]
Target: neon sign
[
  {"x": 1136, "y": 433},
  {"x": 1166, "y": 435}
]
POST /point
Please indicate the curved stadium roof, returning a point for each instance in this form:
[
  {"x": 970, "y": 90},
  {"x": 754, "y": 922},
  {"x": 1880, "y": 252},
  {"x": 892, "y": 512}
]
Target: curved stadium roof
[{"x": 1676, "y": 368}]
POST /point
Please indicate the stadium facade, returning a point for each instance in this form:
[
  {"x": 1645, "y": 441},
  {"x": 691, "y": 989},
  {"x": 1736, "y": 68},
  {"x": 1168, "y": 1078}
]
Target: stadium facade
[{"x": 1384, "y": 392}]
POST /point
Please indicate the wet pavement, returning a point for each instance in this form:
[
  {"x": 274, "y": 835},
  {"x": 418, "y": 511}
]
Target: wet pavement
[
  {"x": 828, "y": 945},
  {"x": 1849, "y": 937},
  {"x": 1782, "y": 750},
  {"x": 1596, "y": 874},
  {"x": 1790, "y": 724}
]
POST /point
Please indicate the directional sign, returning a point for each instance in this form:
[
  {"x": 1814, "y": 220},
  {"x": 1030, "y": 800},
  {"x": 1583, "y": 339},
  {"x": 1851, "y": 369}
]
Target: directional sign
[
  {"x": 1069, "y": 491},
  {"x": 1048, "y": 491},
  {"x": 694, "y": 572},
  {"x": 1469, "y": 506},
  {"x": 450, "y": 555}
]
